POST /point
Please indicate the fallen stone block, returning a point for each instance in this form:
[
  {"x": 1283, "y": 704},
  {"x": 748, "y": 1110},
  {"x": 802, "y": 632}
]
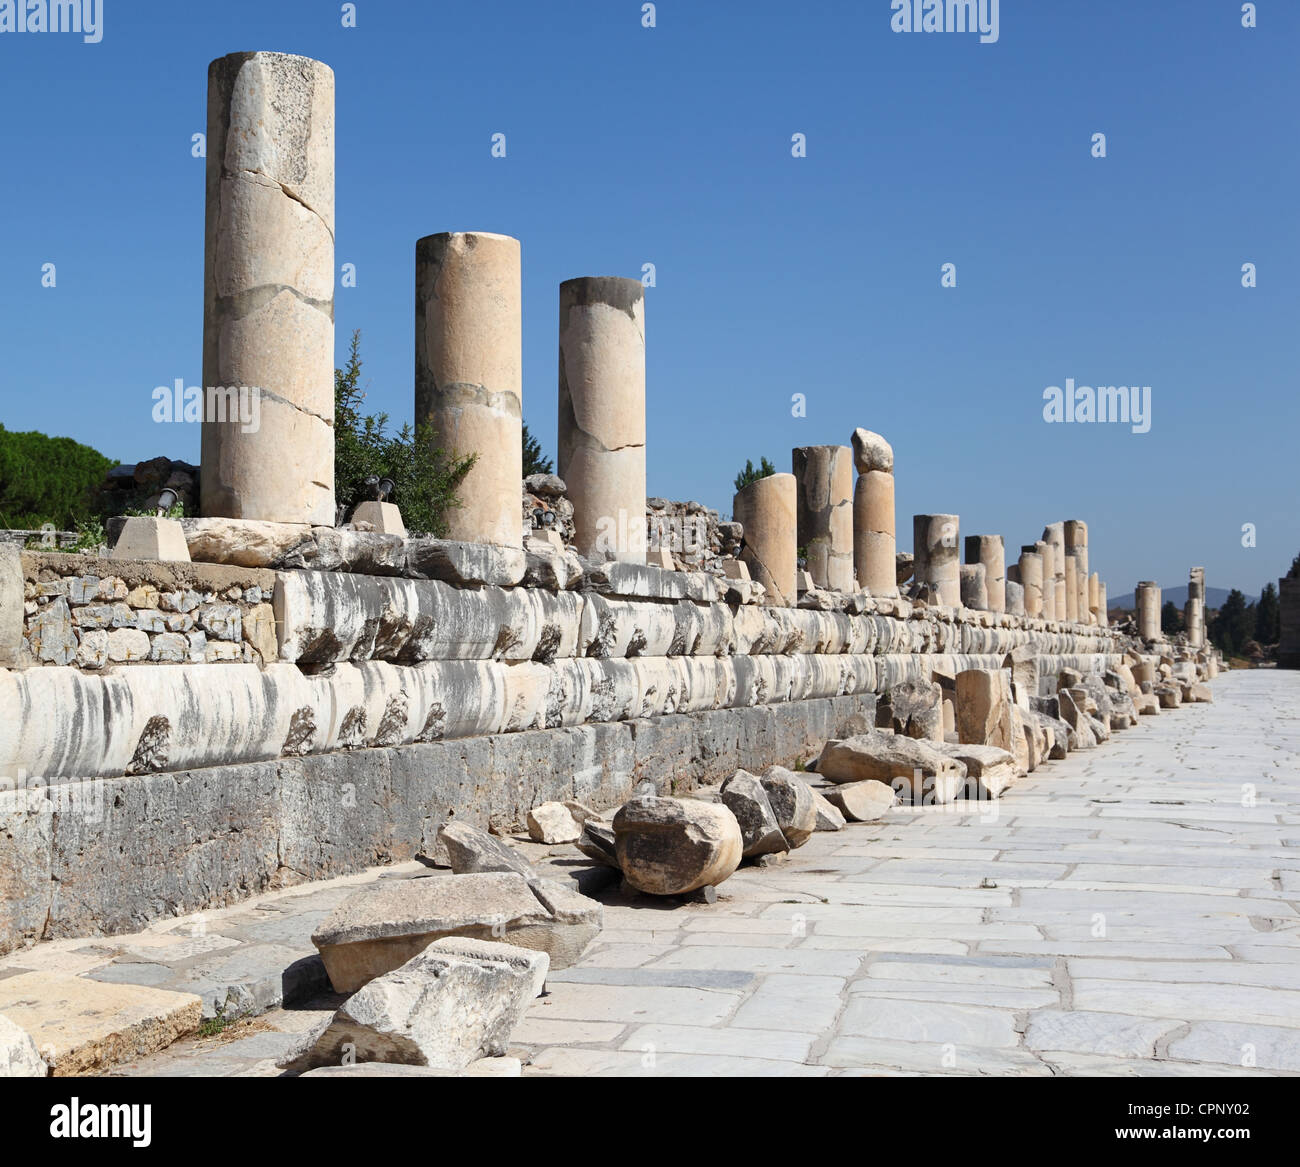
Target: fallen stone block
[
  {"x": 472, "y": 851},
  {"x": 553, "y": 824},
  {"x": 914, "y": 709},
  {"x": 86, "y": 1026},
  {"x": 383, "y": 926},
  {"x": 829, "y": 816},
  {"x": 760, "y": 833},
  {"x": 990, "y": 770},
  {"x": 19, "y": 1057},
  {"x": 901, "y": 762},
  {"x": 1199, "y": 691},
  {"x": 792, "y": 803},
  {"x": 670, "y": 846},
  {"x": 863, "y": 802},
  {"x": 441, "y": 1008},
  {"x": 597, "y": 842}
]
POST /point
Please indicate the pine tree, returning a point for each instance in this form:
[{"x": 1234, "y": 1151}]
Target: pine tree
[
  {"x": 1268, "y": 616},
  {"x": 535, "y": 462},
  {"x": 749, "y": 474}
]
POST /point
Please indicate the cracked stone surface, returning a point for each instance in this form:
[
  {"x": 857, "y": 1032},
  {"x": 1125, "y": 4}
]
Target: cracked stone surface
[{"x": 1132, "y": 910}]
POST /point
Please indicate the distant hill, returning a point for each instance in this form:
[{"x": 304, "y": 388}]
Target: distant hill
[{"x": 1214, "y": 598}]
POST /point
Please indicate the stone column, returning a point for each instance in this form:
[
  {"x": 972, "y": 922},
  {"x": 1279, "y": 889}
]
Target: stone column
[
  {"x": 825, "y": 478},
  {"x": 974, "y": 587},
  {"x": 1103, "y": 612},
  {"x": 1047, "y": 553},
  {"x": 768, "y": 510},
  {"x": 1054, "y": 533},
  {"x": 1076, "y": 540},
  {"x": 1288, "y": 653},
  {"x": 1194, "y": 609},
  {"x": 991, "y": 552},
  {"x": 602, "y": 414},
  {"x": 874, "y": 544},
  {"x": 1072, "y": 588},
  {"x": 268, "y": 291},
  {"x": 1148, "y": 610},
  {"x": 468, "y": 374},
  {"x": 1015, "y": 598},
  {"x": 1031, "y": 579},
  {"x": 1094, "y": 598},
  {"x": 935, "y": 557}
]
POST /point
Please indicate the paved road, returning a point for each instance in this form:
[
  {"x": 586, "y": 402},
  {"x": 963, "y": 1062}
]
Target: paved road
[{"x": 1132, "y": 910}]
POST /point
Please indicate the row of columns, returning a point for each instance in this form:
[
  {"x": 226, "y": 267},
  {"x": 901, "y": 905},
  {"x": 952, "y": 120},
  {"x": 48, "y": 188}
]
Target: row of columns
[{"x": 269, "y": 334}]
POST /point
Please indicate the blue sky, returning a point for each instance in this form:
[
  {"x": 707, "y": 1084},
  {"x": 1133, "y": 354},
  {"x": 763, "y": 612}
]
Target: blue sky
[{"x": 775, "y": 275}]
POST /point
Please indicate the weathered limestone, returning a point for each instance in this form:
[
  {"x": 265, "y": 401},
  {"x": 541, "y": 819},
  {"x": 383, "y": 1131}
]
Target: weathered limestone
[
  {"x": 468, "y": 374},
  {"x": 1054, "y": 533},
  {"x": 601, "y": 452},
  {"x": 990, "y": 550},
  {"x": 383, "y": 517},
  {"x": 1076, "y": 542},
  {"x": 11, "y": 607},
  {"x": 903, "y": 763},
  {"x": 914, "y": 709},
  {"x": 974, "y": 589},
  {"x": 768, "y": 511},
  {"x": 1031, "y": 579},
  {"x": 936, "y": 558},
  {"x": 19, "y": 1057},
  {"x": 449, "y": 1005},
  {"x": 268, "y": 325},
  {"x": 1072, "y": 614},
  {"x": 1194, "y": 609},
  {"x": 1047, "y": 553},
  {"x": 383, "y": 926},
  {"x": 1288, "y": 654},
  {"x": 1095, "y": 614},
  {"x": 792, "y": 804},
  {"x": 862, "y": 802},
  {"x": 551, "y": 823},
  {"x": 1015, "y": 598},
  {"x": 760, "y": 833},
  {"x": 671, "y": 846},
  {"x": 825, "y": 513},
  {"x": 874, "y": 542},
  {"x": 984, "y": 709},
  {"x": 83, "y": 1026},
  {"x": 1147, "y": 595},
  {"x": 471, "y": 851},
  {"x": 1103, "y": 611},
  {"x": 161, "y": 540}
]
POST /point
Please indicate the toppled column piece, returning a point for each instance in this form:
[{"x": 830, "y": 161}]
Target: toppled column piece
[
  {"x": 874, "y": 541},
  {"x": 672, "y": 846},
  {"x": 268, "y": 303},
  {"x": 468, "y": 379},
  {"x": 601, "y": 453},
  {"x": 768, "y": 510},
  {"x": 825, "y": 513}
]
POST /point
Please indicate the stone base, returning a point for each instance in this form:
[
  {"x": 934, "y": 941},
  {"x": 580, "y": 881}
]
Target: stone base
[
  {"x": 161, "y": 540},
  {"x": 383, "y": 517}
]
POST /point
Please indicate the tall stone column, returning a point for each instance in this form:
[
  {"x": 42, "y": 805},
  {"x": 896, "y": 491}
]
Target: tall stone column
[
  {"x": 268, "y": 291},
  {"x": 1288, "y": 653},
  {"x": 1054, "y": 533},
  {"x": 1047, "y": 553},
  {"x": 1031, "y": 579},
  {"x": 1094, "y": 598},
  {"x": 602, "y": 414},
  {"x": 1015, "y": 597},
  {"x": 1072, "y": 588},
  {"x": 1194, "y": 609},
  {"x": 768, "y": 510},
  {"x": 468, "y": 374},
  {"x": 1148, "y": 610},
  {"x": 1076, "y": 541},
  {"x": 990, "y": 550},
  {"x": 1103, "y": 612},
  {"x": 874, "y": 542},
  {"x": 935, "y": 555},
  {"x": 825, "y": 478}
]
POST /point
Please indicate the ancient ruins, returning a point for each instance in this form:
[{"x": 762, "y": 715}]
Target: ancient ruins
[{"x": 257, "y": 698}]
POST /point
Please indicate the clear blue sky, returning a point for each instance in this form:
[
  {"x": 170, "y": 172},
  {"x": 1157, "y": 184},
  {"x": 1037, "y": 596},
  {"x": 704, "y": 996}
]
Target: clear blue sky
[{"x": 775, "y": 275}]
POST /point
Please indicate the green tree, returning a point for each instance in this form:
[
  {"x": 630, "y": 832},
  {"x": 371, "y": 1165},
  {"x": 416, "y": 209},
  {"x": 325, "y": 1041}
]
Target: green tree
[
  {"x": 1234, "y": 624},
  {"x": 1294, "y": 573},
  {"x": 749, "y": 474},
  {"x": 48, "y": 480},
  {"x": 1171, "y": 619},
  {"x": 535, "y": 462},
  {"x": 425, "y": 477},
  {"x": 1268, "y": 616}
]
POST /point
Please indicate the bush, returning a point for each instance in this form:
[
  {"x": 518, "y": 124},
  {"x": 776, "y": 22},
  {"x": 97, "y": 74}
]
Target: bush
[
  {"x": 749, "y": 474},
  {"x": 425, "y": 477},
  {"x": 48, "y": 480}
]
